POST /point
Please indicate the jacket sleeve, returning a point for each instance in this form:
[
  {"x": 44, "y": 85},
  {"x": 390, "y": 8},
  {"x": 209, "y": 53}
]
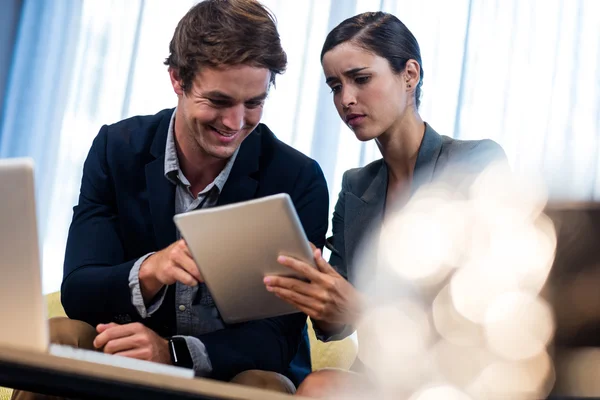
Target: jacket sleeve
[
  {"x": 96, "y": 275},
  {"x": 336, "y": 245},
  {"x": 336, "y": 242}
]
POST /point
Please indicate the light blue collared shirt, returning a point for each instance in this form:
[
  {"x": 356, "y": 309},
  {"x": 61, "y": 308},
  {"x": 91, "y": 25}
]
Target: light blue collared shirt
[{"x": 196, "y": 313}]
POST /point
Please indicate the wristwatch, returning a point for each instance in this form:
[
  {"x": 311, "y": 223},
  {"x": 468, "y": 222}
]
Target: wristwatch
[{"x": 180, "y": 354}]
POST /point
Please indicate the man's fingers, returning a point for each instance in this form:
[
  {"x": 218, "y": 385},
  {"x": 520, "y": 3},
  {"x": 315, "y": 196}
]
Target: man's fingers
[
  {"x": 116, "y": 332},
  {"x": 312, "y": 246},
  {"x": 190, "y": 267},
  {"x": 139, "y": 353},
  {"x": 181, "y": 275},
  {"x": 102, "y": 327},
  {"x": 186, "y": 262},
  {"x": 109, "y": 334},
  {"x": 118, "y": 345},
  {"x": 184, "y": 247}
]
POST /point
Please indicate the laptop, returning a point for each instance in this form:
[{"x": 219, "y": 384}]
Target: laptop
[
  {"x": 23, "y": 307},
  {"x": 237, "y": 245}
]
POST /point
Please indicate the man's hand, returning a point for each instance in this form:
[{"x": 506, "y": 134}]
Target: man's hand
[
  {"x": 328, "y": 299},
  {"x": 170, "y": 265},
  {"x": 132, "y": 340}
]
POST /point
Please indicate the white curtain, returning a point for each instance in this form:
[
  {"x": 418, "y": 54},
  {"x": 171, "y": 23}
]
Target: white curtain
[
  {"x": 525, "y": 73},
  {"x": 531, "y": 82}
]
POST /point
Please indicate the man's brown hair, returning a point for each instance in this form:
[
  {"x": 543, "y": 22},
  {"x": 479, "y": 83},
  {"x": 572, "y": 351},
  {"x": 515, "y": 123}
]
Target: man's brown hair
[{"x": 225, "y": 32}]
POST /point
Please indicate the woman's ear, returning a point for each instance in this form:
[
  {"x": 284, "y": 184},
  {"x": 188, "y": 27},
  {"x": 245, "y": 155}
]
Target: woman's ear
[
  {"x": 176, "y": 81},
  {"x": 412, "y": 74}
]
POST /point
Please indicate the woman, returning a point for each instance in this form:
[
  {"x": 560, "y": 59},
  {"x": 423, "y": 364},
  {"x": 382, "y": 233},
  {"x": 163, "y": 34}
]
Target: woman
[{"x": 372, "y": 64}]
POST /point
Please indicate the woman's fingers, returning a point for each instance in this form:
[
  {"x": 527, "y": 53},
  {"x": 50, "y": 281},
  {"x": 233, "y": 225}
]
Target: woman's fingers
[
  {"x": 297, "y": 286},
  {"x": 307, "y": 305}
]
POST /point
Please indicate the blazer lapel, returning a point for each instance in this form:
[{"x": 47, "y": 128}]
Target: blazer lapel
[
  {"x": 161, "y": 192},
  {"x": 364, "y": 214},
  {"x": 242, "y": 183}
]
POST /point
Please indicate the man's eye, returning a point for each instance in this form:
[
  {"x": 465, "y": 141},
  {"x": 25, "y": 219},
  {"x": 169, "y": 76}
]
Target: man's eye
[
  {"x": 254, "y": 104},
  {"x": 219, "y": 103}
]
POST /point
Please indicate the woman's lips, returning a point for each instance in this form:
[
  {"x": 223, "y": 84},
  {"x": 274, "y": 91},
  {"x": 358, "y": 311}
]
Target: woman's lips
[{"x": 355, "y": 119}]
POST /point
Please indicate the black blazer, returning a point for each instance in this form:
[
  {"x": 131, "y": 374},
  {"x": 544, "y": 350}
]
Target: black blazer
[
  {"x": 360, "y": 206},
  {"x": 126, "y": 208}
]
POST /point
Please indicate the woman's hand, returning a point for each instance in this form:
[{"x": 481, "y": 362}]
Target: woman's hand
[{"x": 328, "y": 299}]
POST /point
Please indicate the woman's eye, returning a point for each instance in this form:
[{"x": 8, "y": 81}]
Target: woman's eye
[
  {"x": 336, "y": 89},
  {"x": 361, "y": 80}
]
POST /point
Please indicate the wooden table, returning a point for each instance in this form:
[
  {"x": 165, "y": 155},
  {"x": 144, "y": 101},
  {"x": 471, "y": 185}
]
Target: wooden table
[{"x": 48, "y": 374}]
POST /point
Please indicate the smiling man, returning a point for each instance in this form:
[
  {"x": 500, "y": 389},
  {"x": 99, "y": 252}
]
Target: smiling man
[{"x": 130, "y": 285}]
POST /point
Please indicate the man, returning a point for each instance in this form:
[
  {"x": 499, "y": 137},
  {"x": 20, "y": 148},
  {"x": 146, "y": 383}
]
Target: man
[{"x": 127, "y": 273}]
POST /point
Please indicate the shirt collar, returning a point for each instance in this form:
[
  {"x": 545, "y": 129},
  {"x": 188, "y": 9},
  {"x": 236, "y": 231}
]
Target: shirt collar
[{"x": 171, "y": 160}]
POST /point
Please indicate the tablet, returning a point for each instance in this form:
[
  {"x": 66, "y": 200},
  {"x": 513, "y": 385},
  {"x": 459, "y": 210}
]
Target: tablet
[{"x": 236, "y": 246}]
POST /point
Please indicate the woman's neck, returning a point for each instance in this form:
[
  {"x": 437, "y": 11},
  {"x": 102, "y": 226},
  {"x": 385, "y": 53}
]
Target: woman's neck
[{"x": 400, "y": 146}]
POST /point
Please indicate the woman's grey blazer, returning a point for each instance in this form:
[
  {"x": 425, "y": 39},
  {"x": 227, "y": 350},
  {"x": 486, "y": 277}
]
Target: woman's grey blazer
[{"x": 361, "y": 201}]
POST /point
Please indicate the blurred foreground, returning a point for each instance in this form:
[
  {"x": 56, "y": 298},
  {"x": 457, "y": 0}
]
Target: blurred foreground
[{"x": 465, "y": 302}]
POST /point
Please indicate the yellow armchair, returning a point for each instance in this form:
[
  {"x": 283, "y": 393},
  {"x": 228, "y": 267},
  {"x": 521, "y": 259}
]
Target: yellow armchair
[
  {"x": 339, "y": 354},
  {"x": 55, "y": 308}
]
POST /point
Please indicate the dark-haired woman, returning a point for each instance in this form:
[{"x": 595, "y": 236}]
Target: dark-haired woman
[{"x": 372, "y": 63}]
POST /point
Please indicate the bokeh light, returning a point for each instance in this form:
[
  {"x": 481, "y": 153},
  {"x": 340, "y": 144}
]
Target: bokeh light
[
  {"x": 452, "y": 325},
  {"x": 518, "y": 325},
  {"x": 440, "y": 392},
  {"x": 456, "y": 282}
]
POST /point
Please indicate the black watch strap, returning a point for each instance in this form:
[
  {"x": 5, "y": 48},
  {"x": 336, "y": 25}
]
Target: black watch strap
[{"x": 180, "y": 353}]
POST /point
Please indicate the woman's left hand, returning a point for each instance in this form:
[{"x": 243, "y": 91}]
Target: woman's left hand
[{"x": 328, "y": 297}]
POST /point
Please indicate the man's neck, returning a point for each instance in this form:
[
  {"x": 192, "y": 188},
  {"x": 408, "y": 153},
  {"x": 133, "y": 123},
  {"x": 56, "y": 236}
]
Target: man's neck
[{"x": 199, "y": 168}]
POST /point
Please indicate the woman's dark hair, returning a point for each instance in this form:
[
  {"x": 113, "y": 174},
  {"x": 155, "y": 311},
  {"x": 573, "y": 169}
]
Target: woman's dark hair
[{"x": 382, "y": 34}]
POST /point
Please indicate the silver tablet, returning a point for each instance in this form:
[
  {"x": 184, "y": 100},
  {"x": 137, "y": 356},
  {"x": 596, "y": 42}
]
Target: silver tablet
[{"x": 236, "y": 246}]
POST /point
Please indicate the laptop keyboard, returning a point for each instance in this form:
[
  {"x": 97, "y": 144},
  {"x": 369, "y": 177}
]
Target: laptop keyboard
[{"x": 119, "y": 361}]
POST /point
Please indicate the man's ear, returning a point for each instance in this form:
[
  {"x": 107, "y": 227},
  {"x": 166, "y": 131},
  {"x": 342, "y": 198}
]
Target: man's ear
[{"x": 176, "y": 81}]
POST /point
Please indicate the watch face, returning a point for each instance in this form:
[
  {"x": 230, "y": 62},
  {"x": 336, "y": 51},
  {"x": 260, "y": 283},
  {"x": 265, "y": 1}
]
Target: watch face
[
  {"x": 172, "y": 352},
  {"x": 180, "y": 354}
]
